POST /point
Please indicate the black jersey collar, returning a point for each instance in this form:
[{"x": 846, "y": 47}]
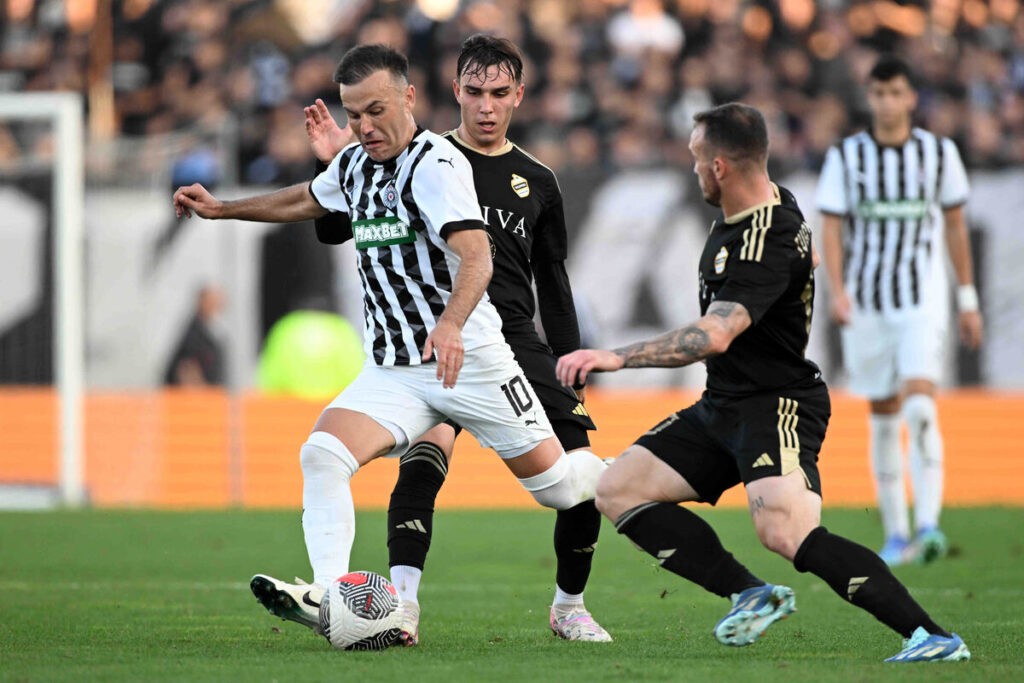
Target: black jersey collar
[
  {"x": 776, "y": 199},
  {"x": 504, "y": 149}
]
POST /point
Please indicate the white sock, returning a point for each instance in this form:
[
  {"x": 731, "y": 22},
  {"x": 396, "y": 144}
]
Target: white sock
[
  {"x": 926, "y": 471},
  {"x": 407, "y": 581},
  {"x": 563, "y": 599},
  {"x": 887, "y": 467},
  {"x": 328, "y": 516}
]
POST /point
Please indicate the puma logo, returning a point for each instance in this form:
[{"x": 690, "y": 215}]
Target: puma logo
[
  {"x": 446, "y": 161},
  {"x": 530, "y": 422},
  {"x": 307, "y": 598}
]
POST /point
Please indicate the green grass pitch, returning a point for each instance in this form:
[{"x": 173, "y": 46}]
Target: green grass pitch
[{"x": 139, "y": 595}]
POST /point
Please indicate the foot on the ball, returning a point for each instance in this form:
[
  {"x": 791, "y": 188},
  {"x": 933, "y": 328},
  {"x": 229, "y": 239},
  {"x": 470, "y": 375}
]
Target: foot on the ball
[
  {"x": 922, "y": 646},
  {"x": 574, "y": 622},
  {"x": 753, "y": 611},
  {"x": 408, "y": 623},
  {"x": 298, "y": 602}
]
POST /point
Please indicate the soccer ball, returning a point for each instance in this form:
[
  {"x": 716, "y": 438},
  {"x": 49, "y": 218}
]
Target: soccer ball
[{"x": 359, "y": 611}]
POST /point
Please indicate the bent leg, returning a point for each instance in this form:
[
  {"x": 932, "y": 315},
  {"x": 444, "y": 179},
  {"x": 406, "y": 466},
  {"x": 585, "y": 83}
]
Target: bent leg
[{"x": 554, "y": 478}]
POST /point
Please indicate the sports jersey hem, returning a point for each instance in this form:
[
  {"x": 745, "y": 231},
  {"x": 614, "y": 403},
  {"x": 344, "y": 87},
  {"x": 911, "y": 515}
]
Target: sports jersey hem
[
  {"x": 953, "y": 205},
  {"x": 458, "y": 226},
  {"x": 830, "y": 212}
]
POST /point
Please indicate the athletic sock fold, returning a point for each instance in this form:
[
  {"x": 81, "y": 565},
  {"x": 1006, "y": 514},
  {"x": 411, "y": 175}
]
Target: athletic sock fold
[{"x": 421, "y": 472}]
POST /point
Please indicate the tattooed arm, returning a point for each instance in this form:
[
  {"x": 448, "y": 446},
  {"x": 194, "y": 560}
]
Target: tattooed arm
[{"x": 708, "y": 336}]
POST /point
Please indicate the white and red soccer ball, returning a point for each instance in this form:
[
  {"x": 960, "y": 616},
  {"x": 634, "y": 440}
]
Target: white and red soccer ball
[{"x": 359, "y": 611}]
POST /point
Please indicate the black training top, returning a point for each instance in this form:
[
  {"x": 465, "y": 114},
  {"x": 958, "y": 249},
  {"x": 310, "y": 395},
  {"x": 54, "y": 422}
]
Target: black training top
[{"x": 761, "y": 258}]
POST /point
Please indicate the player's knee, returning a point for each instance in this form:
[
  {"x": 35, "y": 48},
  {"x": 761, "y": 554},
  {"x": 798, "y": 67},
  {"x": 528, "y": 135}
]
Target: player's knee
[
  {"x": 615, "y": 494},
  {"x": 567, "y": 483},
  {"x": 325, "y": 452}
]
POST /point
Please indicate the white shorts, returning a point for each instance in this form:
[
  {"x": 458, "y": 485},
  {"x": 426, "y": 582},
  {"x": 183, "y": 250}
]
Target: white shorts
[
  {"x": 882, "y": 352},
  {"x": 491, "y": 400}
]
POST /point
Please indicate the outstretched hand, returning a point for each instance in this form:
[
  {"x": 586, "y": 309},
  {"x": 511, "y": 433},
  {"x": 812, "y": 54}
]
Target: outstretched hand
[
  {"x": 326, "y": 138},
  {"x": 573, "y": 368},
  {"x": 195, "y": 198}
]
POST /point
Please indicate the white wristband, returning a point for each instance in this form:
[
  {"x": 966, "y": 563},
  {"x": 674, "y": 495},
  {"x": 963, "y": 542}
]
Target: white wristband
[{"x": 966, "y": 298}]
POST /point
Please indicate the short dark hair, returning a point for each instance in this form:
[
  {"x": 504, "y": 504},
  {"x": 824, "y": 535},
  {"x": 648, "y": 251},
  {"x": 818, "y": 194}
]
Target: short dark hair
[
  {"x": 481, "y": 51},
  {"x": 737, "y": 130},
  {"x": 363, "y": 60},
  {"x": 889, "y": 67}
]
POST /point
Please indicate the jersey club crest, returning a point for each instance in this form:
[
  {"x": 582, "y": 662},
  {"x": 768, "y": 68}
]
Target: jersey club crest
[
  {"x": 389, "y": 195},
  {"x": 720, "y": 258},
  {"x": 520, "y": 186}
]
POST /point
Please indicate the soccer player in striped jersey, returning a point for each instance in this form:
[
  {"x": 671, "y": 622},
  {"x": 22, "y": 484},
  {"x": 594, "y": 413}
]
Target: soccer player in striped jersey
[
  {"x": 522, "y": 206},
  {"x": 432, "y": 337},
  {"x": 888, "y": 194},
  {"x": 762, "y": 419}
]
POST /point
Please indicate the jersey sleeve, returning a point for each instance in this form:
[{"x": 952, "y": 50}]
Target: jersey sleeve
[
  {"x": 758, "y": 275},
  {"x": 550, "y": 242},
  {"x": 326, "y": 187},
  {"x": 442, "y": 187},
  {"x": 953, "y": 186},
  {"x": 831, "y": 195}
]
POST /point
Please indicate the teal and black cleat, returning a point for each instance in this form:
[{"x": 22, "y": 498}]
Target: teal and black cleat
[
  {"x": 924, "y": 647},
  {"x": 895, "y": 552},
  {"x": 753, "y": 611},
  {"x": 930, "y": 545}
]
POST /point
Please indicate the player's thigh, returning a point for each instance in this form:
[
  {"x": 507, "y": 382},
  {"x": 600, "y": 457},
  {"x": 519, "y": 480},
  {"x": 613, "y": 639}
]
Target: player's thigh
[
  {"x": 870, "y": 350},
  {"x": 566, "y": 413},
  {"x": 686, "y": 442},
  {"x": 393, "y": 398},
  {"x": 494, "y": 402},
  {"x": 921, "y": 344},
  {"x": 636, "y": 477},
  {"x": 775, "y": 435},
  {"x": 442, "y": 435}
]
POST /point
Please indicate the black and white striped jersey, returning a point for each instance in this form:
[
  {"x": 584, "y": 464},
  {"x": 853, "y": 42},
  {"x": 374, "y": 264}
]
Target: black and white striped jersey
[
  {"x": 401, "y": 211},
  {"x": 892, "y": 200}
]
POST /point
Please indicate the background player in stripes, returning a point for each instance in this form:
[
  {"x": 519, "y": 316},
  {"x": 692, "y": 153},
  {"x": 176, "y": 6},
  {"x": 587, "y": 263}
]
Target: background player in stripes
[
  {"x": 522, "y": 206},
  {"x": 407, "y": 199},
  {"x": 893, "y": 188},
  {"x": 762, "y": 419}
]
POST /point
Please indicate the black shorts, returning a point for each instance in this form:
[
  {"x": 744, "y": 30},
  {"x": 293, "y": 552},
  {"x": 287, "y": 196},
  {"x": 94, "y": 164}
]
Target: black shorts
[
  {"x": 717, "y": 443},
  {"x": 569, "y": 419}
]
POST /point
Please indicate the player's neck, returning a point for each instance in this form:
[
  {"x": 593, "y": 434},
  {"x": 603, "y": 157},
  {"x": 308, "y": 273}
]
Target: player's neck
[
  {"x": 891, "y": 136},
  {"x": 483, "y": 148},
  {"x": 747, "y": 194}
]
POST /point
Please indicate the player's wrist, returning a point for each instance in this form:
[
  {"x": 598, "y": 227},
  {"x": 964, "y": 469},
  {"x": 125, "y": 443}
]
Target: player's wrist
[{"x": 967, "y": 298}]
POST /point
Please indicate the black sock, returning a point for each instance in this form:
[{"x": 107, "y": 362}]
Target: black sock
[
  {"x": 686, "y": 545},
  {"x": 860, "y": 576},
  {"x": 421, "y": 471},
  {"x": 576, "y": 531}
]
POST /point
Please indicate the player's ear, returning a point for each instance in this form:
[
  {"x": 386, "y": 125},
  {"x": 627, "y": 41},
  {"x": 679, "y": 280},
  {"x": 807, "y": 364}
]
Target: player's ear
[
  {"x": 410, "y": 96},
  {"x": 719, "y": 167},
  {"x": 456, "y": 89},
  {"x": 519, "y": 94}
]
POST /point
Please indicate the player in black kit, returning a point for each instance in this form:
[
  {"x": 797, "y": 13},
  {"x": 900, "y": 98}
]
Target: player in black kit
[
  {"x": 761, "y": 420},
  {"x": 522, "y": 207}
]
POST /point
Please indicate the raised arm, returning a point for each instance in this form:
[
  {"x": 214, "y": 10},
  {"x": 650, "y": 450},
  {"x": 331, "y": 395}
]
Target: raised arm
[
  {"x": 445, "y": 341},
  {"x": 708, "y": 336},
  {"x": 289, "y": 205}
]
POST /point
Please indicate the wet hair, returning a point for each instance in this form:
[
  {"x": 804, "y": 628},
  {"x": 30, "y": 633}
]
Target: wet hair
[
  {"x": 481, "y": 51},
  {"x": 889, "y": 67},
  {"x": 363, "y": 61},
  {"x": 736, "y": 130}
]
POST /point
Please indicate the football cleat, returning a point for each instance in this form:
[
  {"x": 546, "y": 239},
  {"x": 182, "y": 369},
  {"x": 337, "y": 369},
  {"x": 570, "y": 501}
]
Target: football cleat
[
  {"x": 896, "y": 551},
  {"x": 753, "y": 611},
  {"x": 924, "y": 647},
  {"x": 930, "y": 545},
  {"x": 576, "y": 623},
  {"x": 408, "y": 623},
  {"x": 298, "y": 602}
]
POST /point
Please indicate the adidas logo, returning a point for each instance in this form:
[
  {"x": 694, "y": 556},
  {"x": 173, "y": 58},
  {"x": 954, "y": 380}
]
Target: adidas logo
[
  {"x": 855, "y": 583},
  {"x": 413, "y": 524},
  {"x": 764, "y": 461},
  {"x": 580, "y": 410},
  {"x": 663, "y": 555},
  {"x": 587, "y": 550}
]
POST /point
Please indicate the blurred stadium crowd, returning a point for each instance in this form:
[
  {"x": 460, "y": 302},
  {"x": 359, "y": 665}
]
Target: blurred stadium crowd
[{"x": 611, "y": 84}]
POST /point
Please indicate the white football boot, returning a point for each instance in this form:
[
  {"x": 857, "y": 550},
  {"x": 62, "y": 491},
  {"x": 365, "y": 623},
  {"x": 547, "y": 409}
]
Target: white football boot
[
  {"x": 298, "y": 602},
  {"x": 408, "y": 623},
  {"x": 576, "y": 623}
]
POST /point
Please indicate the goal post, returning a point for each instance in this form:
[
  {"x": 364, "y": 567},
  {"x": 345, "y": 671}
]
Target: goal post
[{"x": 64, "y": 111}]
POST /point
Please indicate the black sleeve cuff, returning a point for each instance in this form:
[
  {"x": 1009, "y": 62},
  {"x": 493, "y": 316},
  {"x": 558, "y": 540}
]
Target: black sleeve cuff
[
  {"x": 456, "y": 226},
  {"x": 319, "y": 167}
]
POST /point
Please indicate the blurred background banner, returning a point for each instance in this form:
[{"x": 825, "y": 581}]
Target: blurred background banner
[{"x": 180, "y": 91}]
